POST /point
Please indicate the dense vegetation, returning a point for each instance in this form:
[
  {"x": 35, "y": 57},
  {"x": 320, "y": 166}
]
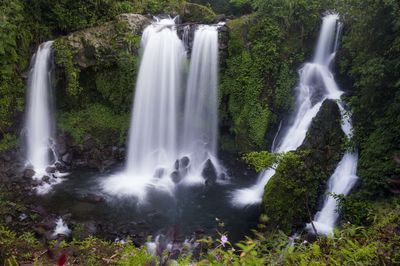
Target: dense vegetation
[{"x": 268, "y": 40}]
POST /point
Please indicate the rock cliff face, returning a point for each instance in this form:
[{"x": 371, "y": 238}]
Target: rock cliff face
[
  {"x": 197, "y": 13},
  {"x": 295, "y": 192},
  {"x": 90, "y": 43}
]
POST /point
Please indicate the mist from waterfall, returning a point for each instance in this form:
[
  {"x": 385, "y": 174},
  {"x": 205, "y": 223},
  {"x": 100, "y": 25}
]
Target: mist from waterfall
[
  {"x": 316, "y": 85},
  {"x": 39, "y": 119},
  {"x": 153, "y": 138},
  {"x": 200, "y": 122}
]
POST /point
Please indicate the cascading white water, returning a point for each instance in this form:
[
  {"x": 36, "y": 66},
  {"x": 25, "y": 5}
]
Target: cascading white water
[
  {"x": 38, "y": 117},
  {"x": 153, "y": 140},
  {"x": 341, "y": 182},
  {"x": 316, "y": 84},
  {"x": 200, "y": 126}
]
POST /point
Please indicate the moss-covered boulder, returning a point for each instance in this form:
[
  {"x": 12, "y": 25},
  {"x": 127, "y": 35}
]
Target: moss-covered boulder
[
  {"x": 90, "y": 44},
  {"x": 294, "y": 193},
  {"x": 197, "y": 13}
]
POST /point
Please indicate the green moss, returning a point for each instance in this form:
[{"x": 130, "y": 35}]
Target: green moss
[
  {"x": 8, "y": 142},
  {"x": 256, "y": 81},
  {"x": 64, "y": 57},
  {"x": 14, "y": 58},
  {"x": 98, "y": 121},
  {"x": 116, "y": 84},
  {"x": 261, "y": 160},
  {"x": 197, "y": 13},
  {"x": 290, "y": 193}
]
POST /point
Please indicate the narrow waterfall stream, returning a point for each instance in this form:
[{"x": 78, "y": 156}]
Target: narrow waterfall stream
[
  {"x": 200, "y": 122},
  {"x": 38, "y": 118},
  {"x": 341, "y": 182},
  {"x": 315, "y": 86},
  {"x": 39, "y": 124}
]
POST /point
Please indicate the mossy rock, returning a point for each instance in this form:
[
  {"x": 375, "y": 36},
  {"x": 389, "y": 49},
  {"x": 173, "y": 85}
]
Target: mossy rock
[
  {"x": 294, "y": 193},
  {"x": 90, "y": 45},
  {"x": 197, "y": 13}
]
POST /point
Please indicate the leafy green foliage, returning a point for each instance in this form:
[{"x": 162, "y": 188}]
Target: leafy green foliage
[
  {"x": 96, "y": 120},
  {"x": 8, "y": 142},
  {"x": 64, "y": 58},
  {"x": 135, "y": 256},
  {"x": 14, "y": 41},
  {"x": 261, "y": 160},
  {"x": 198, "y": 13},
  {"x": 296, "y": 185},
  {"x": 370, "y": 65}
]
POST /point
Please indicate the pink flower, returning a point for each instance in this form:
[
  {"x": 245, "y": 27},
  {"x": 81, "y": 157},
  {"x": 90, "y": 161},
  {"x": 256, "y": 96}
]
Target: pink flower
[{"x": 224, "y": 239}]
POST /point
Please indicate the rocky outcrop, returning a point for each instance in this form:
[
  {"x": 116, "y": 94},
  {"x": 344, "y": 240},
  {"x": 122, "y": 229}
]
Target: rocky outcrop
[
  {"x": 88, "y": 155},
  {"x": 88, "y": 44},
  {"x": 197, "y": 13},
  {"x": 294, "y": 193}
]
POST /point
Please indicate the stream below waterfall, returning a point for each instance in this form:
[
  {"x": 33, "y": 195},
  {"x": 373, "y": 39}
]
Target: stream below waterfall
[{"x": 192, "y": 209}]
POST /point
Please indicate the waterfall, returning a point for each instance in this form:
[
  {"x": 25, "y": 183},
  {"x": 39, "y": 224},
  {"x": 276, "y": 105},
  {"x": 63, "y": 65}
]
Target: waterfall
[
  {"x": 200, "y": 122},
  {"x": 341, "y": 182},
  {"x": 316, "y": 84},
  {"x": 153, "y": 137},
  {"x": 39, "y": 120}
]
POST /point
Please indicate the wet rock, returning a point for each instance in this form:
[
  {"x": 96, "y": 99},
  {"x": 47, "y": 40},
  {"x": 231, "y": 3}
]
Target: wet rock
[
  {"x": 46, "y": 179},
  {"x": 36, "y": 182},
  {"x": 50, "y": 169},
  {"x": 209, "y": 173},
  {"x": 67, "y": 158},
  {"x": 176, "y": 177},
  {"x": 222, "y": 176},
  {"x": 62, "y": 148},
  {"x": 60, "y": 167},
  {"x": 90, "y": 42},
  {"x": 109, "y": 163},
  {"x": 39, "y": 210},
  {"x": 184, "y": 162},
  {"x": 29, "y": 173}
]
